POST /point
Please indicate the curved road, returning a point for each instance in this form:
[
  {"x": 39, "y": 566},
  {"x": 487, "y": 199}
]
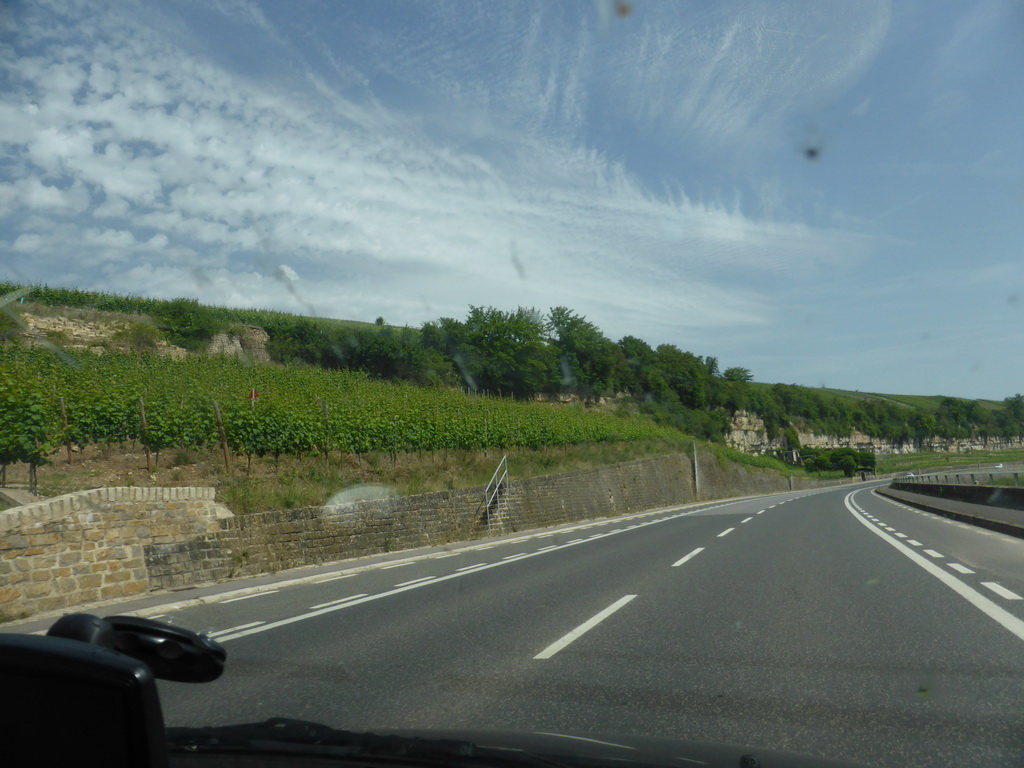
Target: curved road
[{"x": 836, "y": 623}]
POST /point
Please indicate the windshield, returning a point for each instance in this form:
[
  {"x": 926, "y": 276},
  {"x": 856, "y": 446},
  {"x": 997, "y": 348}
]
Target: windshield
[{"x": 403, "y": 282}]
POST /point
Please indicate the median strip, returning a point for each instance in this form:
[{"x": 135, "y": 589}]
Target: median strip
[{"x": 583, "y": 628}]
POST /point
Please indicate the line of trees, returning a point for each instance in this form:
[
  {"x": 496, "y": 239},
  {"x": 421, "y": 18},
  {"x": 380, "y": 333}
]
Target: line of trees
[{"x": 524, "y": 353}]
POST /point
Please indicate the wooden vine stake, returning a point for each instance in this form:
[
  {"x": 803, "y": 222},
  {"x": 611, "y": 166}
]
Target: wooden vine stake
[
  {"x": 64, "y": 424},
  {"x": 145, "y": 439},
  {"x": 223, "y": 438}
]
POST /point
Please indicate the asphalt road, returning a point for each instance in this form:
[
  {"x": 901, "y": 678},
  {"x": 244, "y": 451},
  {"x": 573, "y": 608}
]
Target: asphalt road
[{"x": 835, "y": 623}]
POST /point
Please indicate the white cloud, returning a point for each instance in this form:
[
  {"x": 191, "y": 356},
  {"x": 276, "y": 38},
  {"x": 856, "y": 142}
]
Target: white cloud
[{"x": 196, "y": 178}]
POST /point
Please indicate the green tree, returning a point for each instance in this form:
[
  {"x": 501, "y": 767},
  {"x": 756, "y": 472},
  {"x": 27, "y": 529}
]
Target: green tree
[
  {"x": 738, "y": 374},
  {"x": 587, "y": 359}
]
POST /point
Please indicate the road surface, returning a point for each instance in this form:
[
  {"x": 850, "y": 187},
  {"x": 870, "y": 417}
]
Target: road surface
[{"x": 836, "y": 623}]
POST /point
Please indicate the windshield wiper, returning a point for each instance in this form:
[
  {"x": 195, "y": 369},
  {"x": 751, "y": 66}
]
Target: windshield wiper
[{"x": 284, "y": 735}]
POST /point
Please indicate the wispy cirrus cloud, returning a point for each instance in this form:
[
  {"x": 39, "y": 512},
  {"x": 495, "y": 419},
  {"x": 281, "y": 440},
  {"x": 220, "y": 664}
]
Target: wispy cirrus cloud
[{"x": 136, "y": 162}]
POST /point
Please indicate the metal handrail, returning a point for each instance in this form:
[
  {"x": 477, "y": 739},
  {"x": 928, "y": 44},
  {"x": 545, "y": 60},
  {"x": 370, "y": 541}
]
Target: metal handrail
[{"x": 497, "y": 483}]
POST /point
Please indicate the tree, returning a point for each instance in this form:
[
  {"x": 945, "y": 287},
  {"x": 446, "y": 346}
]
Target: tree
[
  {"x": 587, "y": 359},
  {"x": 742, "y": 375}
]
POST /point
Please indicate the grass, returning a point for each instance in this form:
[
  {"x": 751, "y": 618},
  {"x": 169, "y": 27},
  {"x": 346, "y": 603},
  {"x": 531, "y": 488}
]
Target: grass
[{"x": 939, "y": 461}]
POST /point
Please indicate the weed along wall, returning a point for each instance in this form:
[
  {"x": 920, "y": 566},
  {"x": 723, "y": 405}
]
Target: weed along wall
[{"x": 116, "y": 542}]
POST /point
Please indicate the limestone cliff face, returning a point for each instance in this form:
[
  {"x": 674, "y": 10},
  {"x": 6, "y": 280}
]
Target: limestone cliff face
[
  {"x": 251, "y": 343},
  {"x": 748, "y": 434}
]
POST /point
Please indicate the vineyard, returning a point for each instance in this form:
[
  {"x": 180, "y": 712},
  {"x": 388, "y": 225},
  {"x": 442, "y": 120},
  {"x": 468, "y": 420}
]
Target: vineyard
[{"x": 49, "y": 400}]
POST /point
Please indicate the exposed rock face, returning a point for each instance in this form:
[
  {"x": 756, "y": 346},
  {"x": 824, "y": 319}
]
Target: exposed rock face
[
  {"x": 252, "y": 343},
  {"x": 748, "y": 434},
  {"x": 96, "y": 336}
]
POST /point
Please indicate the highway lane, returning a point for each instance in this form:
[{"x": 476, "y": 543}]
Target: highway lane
[{"x": 784, "y": 621}]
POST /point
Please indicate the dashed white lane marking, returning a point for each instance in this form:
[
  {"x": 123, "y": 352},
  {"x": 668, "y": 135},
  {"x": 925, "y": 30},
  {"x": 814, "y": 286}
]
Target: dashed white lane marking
[
  {"x": 747, "y": 520},
  {"x": 469, "y": 567},
  {"x": 991, "y": 609},
  {"x": 902, "y": 535},
  {"x": 235, "y": 629},
  {"x": 759, "y": 512},
  {"x": 933, "y": 553},
  {"x": 416, "y": 581},
  {"x": 397, "y": 565},
  {"x": 914, "y": 542},
  {"x": 586, "y": 626},
  {"x": 516, "y": 556},
  {"x": 342, "y": 576},
  {"x": 726, "y": 532},
  {"x": 695, "y": 552},
  {"x": 450, "y": 554},
  {"x": 249, "y": 597},
  {"x": 549, "y": 546},
  {"x": 1001, "y": 590},
  {"x": 960, "y": 568},
  {"x": 339, "y": 601}
]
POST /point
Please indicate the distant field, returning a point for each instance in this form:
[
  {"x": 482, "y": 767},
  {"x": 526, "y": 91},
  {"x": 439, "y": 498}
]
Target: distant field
[{"x": 927, "y": 402}]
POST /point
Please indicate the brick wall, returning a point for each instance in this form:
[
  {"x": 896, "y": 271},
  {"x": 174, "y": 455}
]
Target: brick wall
[{"x": 116, "y": 542}]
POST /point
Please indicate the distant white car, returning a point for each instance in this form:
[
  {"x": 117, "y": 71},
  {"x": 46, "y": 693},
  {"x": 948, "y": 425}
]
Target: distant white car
[{"x": 999, "y": 466}]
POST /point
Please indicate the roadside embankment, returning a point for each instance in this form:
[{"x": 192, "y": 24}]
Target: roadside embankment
[{"x": 111, "y": 543}]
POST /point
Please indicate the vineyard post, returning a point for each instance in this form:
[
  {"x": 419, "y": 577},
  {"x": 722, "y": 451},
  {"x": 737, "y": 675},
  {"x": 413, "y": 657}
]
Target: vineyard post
[
  {"x": 223, "y": 438},
  {"x": 64, "y": 425},
  {"x": 145, "y": 440}
]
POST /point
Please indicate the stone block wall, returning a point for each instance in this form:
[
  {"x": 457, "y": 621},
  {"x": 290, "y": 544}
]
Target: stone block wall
[{"x": 91, "y": 545}]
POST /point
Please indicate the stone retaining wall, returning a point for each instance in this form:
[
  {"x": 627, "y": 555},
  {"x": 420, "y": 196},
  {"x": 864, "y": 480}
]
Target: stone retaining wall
[{"x": 116, "y": 542}]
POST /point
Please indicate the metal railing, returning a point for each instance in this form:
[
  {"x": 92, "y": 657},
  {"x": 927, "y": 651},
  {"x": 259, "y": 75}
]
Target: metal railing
[
  {"x": 963, "y": 477},
  {"x": 498, "y": 485}
]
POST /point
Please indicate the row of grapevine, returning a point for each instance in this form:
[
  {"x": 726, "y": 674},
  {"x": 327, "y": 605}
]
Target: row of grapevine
[{"x": 298, "y": 410}]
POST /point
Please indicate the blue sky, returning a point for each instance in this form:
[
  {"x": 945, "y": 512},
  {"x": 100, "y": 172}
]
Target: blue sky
[{"x": 649, "y": 170}]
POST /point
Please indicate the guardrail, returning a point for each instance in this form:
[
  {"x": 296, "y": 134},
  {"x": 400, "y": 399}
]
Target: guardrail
[
  {"x": 497, "y": 486},
  {"x": 960, "y": 478}
]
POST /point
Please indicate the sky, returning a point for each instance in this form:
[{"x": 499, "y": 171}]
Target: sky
[{"x": 826, "y": 193}]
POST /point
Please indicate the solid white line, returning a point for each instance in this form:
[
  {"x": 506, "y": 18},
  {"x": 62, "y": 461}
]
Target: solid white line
[
  {"x": 933, "y": 553},
  {"x": 914, "y": 542},
  {"x": 747, "y": 520},
  {"x": 460, "y": 572},
  {"x": 726, "y": 532},
  {"x": 234, "y": 629},
  {"x": 450, "y": 554},
  {"x": 576, "y": 541},
  {"x": 1001, "y": 590},
  {"x": 481, "y": 549},
  {"x": 339, "y": 601},
  {"x": 249, "y": 597},
  {"x": 958, "y": 567},
  {"x": 586, "y": 626},
  {"x": 396, "y": 565},
  {"x": 416, "y": 581},
  {"x": 697, "y": 551},
  {"x": 975, "y": 598}
]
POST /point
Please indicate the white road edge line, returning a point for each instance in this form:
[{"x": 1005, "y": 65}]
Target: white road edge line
[
  {"x": 339, "y": 601},
  {"x": 586, "y": 626},
  {"x": 726, "y": 532},
  {"x": 459, "y": 572},
  {"x": 249, "y": 597},
  {"x": 234, "y": 629},
  {"x": 695, "y": 552},
  {"x": 995, "y": 612},
  {"x": 415, "y": 581}
]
